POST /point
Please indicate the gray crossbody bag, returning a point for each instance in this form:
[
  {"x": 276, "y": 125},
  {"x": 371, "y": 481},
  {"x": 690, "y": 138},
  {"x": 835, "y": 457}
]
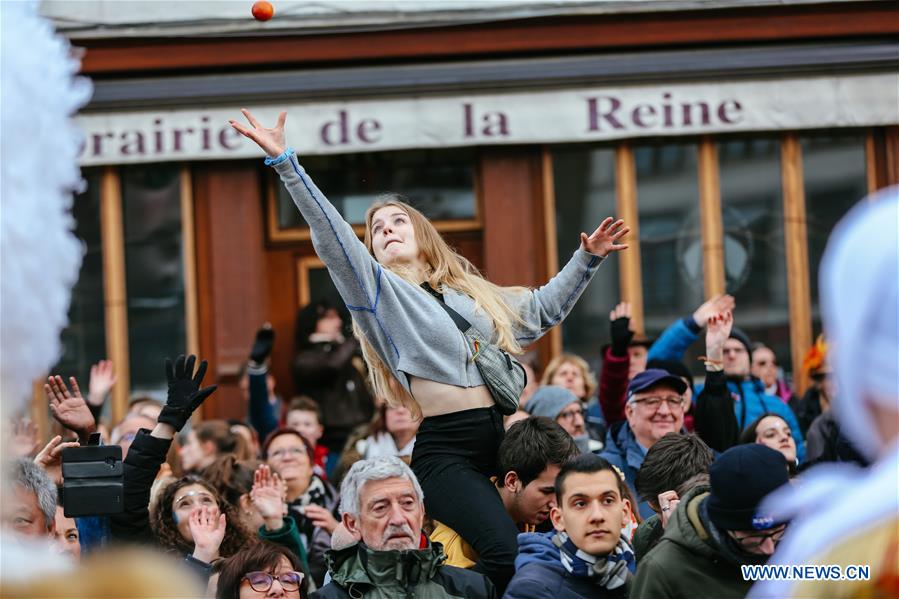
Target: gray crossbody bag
[{"x": 504, "y": 375}]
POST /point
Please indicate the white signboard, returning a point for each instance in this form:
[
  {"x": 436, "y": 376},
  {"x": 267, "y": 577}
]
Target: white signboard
[{"x": 536, "y": 117}]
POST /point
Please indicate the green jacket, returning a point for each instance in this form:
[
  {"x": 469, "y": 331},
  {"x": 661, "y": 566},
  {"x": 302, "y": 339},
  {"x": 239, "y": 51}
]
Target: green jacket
[
  {"x": 287, "y": 536},
  {"x": 360, "y": 572},
  {"x": 647, "y": 535},
  {"x": 687, "y": 563}
]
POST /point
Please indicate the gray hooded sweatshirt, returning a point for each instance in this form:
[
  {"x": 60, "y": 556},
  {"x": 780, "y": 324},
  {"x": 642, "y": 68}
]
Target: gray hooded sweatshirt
[{"x": 409, "y": 330}]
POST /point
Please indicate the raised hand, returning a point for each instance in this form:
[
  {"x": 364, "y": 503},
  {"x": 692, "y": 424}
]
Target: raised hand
[
  {"x": 184, "y": 393},
  {"x": 719, "y": 327},
  {"x": 270, "y": 140},
  {"x": 50, "y": 457},
  {"x": 667, "y": 503},
  {"x": 268, "y": 497},
  {"x": 23, "y": 442},
  {"x": 101, "y": 382},
  {"x": 604, "y": 238},
  {"x": 207, "y": 527},
  {"x": 321, "y": 517},
  {"x": 619, "y": 328},
  {"x": 69, "y": 408},
  {"x": 262, "y": 346},
  {"x": 715, "y": 305}
]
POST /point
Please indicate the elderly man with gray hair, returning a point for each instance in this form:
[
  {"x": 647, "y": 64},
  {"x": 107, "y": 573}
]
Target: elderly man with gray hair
[
  {"x": 31, "y": 507},
  {"x": 381, "y": 506}
]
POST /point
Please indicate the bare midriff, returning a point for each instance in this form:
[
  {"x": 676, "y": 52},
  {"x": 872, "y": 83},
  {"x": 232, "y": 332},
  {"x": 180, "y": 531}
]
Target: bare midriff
[{"x": 437, "y": 399}]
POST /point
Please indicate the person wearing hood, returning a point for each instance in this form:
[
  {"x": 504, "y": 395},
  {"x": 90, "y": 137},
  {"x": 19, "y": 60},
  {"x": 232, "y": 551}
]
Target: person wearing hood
[
  {"x": 845, "y": 515},
  {"x": 586, "y": 555},
  {"x": 382, "y": 509},
  {"x": 654, "y": 408},
  {"x": 562, "y": 406},
  {"x": 714, "y": 531}
]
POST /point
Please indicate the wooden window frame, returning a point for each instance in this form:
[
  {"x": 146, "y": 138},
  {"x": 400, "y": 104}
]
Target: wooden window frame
[
  {"x": 303, "y": 265},
  {"x": 277, "y": 235},
  {"x": 115, "y": 293},
  {"x": 630, "y": 272},
  {"x": 796, "y": 246}
]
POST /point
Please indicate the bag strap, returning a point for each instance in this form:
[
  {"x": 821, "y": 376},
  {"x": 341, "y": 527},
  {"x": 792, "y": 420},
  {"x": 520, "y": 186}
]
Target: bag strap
[{"x": 462, "y": 324}]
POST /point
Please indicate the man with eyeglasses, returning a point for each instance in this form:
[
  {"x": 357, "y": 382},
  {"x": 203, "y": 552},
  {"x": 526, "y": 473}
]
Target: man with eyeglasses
[
  {"x": 654, "y": 408},
  {"x": 716, "y": 530}
]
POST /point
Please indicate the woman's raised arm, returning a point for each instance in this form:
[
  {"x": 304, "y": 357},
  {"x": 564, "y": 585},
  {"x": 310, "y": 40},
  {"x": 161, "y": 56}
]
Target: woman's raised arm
[
  {"x": 543, "y": 308},
  {"x": 362, "y": 283}
]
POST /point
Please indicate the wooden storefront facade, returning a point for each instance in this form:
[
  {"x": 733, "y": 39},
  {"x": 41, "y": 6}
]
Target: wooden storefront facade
[{"x": 241, "y": 266}]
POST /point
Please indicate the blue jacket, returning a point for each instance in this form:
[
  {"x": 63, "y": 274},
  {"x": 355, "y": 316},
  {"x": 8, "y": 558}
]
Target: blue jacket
[
  {"x": 751, "y": 402},
  {"x": 622, "y": 450},
  {"x": 539, "y": 573},
  {"x": 672, "y": 344}
]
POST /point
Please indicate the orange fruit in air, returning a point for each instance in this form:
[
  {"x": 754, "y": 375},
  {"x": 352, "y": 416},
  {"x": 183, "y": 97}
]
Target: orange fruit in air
[{"x": 263, "y": 11}]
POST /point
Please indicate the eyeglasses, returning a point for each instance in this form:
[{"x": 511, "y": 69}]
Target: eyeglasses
[
  {"x": 570, "y": 414},
  {"x": 755, "y": 541},
  {"x": 675, "y": 402},
  {"x": 283, "y": 453},
  {"x": 261, "y": 582}
]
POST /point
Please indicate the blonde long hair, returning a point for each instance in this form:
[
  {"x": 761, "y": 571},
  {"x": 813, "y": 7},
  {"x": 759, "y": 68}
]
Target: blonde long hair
[{"x": 445, "y": 269}]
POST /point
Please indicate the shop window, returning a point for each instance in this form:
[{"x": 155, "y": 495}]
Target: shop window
[
  {"x": 834, "y": 172},
  {"x": 440, "y": 183},
  {"x": 585, "y": 194},
  {"x": 755, "y": 265},
  {"x": 84, "y": 339},
  {"x": 154, "y": 271},
  {"x": 671, "y": 260}
]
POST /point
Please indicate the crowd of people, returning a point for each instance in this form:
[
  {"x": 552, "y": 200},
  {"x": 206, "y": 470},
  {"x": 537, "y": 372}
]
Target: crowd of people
[{"x": 397, "y": 471}]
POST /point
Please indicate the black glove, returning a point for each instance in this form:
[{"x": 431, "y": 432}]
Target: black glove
[
  {"x": 262, "y": 347},
  {"x": 621, "y": 336},
  {"x": 184, "y": 394}
]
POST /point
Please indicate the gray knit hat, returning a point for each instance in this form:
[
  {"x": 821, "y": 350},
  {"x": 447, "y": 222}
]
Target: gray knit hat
[{"x": 549, "y": 401}]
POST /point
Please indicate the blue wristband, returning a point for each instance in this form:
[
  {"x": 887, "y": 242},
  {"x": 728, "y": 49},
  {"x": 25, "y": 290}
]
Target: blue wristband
[{"x": 269, "y": 161}]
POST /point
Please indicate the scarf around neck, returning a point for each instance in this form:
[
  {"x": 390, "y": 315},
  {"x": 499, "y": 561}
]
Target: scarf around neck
[{"x": 610, "y": 571}]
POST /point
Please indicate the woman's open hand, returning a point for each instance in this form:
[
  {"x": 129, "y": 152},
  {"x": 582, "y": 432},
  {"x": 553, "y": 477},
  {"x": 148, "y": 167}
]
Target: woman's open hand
[
  {"x": 207, "y": 527},
  {"x": 270, "y": 140},
  {"x": 604, "y": 239}
]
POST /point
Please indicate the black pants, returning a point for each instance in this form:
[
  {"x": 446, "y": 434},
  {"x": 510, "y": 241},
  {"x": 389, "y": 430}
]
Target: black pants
[{"x": 454, "y": 458}]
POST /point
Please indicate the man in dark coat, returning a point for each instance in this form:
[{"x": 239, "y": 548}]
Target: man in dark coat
[
  {"x": 586, "y": 555},
  {"x": 711, "y": 535},
  {"x": 382, "y": 511}
]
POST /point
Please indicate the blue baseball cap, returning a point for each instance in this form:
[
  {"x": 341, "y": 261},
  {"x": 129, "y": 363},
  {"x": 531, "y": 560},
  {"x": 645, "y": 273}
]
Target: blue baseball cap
[{"x": 654, "y": 376}]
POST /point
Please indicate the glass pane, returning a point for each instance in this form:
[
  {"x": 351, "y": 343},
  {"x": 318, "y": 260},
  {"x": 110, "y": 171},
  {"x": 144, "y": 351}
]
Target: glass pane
[
  {"x": 154, "y": 271},
  {"x": 585, "y": 194},
  {"x": 84, "y": 339},
  {"x": 670, "y": 237},
  {"x": 835, "y": 179},
  {"x": 440, "y": 183},
  {"x": 754, "y": 252}
]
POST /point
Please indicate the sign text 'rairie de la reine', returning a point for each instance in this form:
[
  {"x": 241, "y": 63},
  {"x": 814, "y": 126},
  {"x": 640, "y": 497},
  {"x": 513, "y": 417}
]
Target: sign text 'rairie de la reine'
[{"x": 513, "y": 118}]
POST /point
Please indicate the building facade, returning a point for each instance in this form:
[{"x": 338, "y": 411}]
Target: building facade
[{"x": 730, "y": 136}]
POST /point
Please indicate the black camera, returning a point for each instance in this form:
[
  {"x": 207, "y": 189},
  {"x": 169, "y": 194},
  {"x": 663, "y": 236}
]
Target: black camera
[{"x": 93, "y": 480}]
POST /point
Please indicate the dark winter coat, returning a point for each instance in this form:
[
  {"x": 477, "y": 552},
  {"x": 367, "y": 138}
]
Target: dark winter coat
[
  {"x": 687, "y": 562},
  {"x": 539, "y": 574},
  {"x": 362, "y": 573}
]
